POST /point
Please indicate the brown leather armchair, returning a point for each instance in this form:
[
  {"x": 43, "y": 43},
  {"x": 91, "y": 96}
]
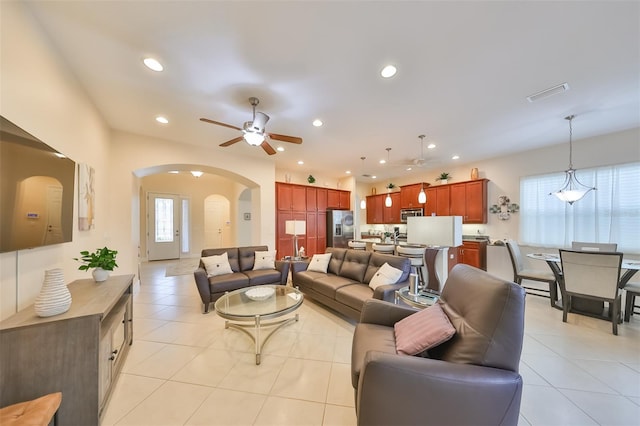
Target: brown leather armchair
[{"x": 471, "y": 379}]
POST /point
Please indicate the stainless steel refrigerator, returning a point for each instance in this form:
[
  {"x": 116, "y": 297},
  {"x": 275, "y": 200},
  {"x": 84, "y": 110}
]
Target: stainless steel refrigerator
[{"x": 339, "y": 228}]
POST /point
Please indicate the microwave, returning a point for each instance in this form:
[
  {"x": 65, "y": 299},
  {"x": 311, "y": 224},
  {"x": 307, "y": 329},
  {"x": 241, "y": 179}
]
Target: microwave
[{"x": 405, "y": 213}]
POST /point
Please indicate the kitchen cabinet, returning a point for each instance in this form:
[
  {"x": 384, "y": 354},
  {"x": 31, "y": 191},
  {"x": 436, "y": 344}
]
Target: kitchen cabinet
[
  {"x": 321, "y": 199},
  {"x": 338, "y": 199},
  {"x": 473, "y": 253},
  {"x": 391, "y": 214},
  {"x": 291, "y": 197},
  {"x": 437, "y": 201},
  {"x": 79, "y": 353},
  {"x": 469, "y": 200},
  {"x": 375, "y": 208},
  {"x": 312, "y": 199},
  {"x": 409, "y": 195}
]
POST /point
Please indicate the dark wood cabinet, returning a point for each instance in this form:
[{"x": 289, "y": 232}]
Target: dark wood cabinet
[
  {"x": 473, "y": 253},
  {"x": 391, "y": 214},
  {"x": 312, "y": 199},
  {"x": 409, "y": 195},
  {"x": 338, "y": 199},
  {"x": 375, "y": 209},
  {"x": 466, "y": 199},
  {"x": 291, "y": 197}
]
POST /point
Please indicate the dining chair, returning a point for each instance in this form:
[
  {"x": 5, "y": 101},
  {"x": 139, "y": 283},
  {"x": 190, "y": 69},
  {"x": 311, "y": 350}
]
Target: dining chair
[
  {"x": 592, "y": 275},
  {"x": 521, "y": 273},
  {"x": 632, "y": 290},
  {"x": 582, "y": 246}
]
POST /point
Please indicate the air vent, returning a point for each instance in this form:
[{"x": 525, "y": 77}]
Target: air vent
[
  {"x": 560, "y": 88},
  {"x": 366, "y": 175}
]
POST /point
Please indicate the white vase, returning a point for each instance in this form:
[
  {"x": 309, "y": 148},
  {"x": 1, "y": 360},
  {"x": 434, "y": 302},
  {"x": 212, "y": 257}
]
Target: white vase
[
  {"x": 54, "y": 297},
  {"x": 444, "y": 181},
  {"x": 100, "y": 275}
]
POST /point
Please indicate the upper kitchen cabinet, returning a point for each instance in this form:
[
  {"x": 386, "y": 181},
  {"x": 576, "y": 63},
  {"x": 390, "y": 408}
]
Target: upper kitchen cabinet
[
  {"x": 375, "y": 208},
  {"x": 469, "y": 200},
  {"x": 338, "y": 199},
  {"x": 391, "y": 214},
  {"x": 409, "y": 195},
  {"x": 291, "y": 197},
  {"x": 312, "y": 199},
  {"x": 437, "y": 201}
]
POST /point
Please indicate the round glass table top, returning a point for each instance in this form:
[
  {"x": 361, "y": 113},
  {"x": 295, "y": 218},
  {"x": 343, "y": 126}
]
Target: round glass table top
[
  {"x": 266, "y": 301},
  {"x": 420, "y": 300}
]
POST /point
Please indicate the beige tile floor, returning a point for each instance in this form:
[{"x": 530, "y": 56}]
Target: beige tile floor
[{"x": 184, "y": 368}]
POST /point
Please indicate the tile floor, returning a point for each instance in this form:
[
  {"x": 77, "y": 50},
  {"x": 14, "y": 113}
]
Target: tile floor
[{"x": 184, "y": 368}]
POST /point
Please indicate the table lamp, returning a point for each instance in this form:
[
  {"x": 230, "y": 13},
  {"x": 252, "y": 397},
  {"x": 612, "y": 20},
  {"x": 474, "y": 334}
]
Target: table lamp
[{"x": 295, "y": 228}]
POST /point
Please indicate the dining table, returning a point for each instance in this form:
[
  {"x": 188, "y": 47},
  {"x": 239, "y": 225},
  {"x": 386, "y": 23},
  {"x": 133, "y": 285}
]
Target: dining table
[{"x": 591, "y": 307}]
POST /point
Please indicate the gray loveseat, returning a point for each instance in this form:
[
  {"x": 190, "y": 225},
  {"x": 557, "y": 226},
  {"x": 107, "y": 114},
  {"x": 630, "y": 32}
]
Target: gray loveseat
[
  {"x": 345, "y": 286},
  {"x": 241, "y": 260}
]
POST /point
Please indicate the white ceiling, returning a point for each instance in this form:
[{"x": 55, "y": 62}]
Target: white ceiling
[{"x": 464, "y": 71}]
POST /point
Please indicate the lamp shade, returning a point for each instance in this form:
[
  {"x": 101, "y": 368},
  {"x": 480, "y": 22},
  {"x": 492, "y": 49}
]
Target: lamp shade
[{"x": 295, "y": 227}]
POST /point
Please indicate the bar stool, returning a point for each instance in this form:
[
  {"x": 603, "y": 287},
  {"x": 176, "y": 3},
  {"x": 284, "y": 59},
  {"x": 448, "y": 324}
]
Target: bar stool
[
  {"x": 384, "y": 248},
  {"x": 416, "y": 255},
  {"x": 357, "y": 245}
]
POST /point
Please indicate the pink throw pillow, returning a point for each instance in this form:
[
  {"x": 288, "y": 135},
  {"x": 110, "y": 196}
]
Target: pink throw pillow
[{"x": 423, "y": 330}]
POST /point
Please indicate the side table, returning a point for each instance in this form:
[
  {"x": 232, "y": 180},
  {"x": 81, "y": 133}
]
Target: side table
[{"x": 421, "y": 300}]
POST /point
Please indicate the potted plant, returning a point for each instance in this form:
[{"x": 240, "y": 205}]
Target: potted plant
[
  {"x": 444, "y": 177},
  {"x": 311, "y": 179},
  {"x": 103, "y": 261},
  {"x": 391, "y": 186}
]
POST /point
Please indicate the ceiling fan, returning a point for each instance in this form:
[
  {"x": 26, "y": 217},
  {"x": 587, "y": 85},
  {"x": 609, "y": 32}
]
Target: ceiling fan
[
  {"x": 420, "y": 161},
  {"x": 253, "y": 132}
]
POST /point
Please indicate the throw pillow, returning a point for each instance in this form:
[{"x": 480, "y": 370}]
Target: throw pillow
[
  {"x": 423, "y": 330},
  {"x": 319, "y": 262},
  {"x": 265, "y": 260},
  {"x": 217, "y": 265},
  {"x": 386, "y": 274}
]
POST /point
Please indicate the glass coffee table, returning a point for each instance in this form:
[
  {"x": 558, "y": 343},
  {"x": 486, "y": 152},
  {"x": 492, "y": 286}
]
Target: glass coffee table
[
  {"x": 423, "y": 299},
  {"x": 258, "y": 303}
]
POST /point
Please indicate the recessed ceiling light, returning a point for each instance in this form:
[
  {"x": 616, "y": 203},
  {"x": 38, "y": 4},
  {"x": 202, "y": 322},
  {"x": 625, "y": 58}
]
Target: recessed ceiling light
[
  {"x": 197, "y": 173},
  {"x": 383, "y": 161},
  {"x": 301, "y": 162},
  {"x": 431, "y": 146},
  {"x": 174, "y": 172},
  {"x": 162, "y": 120},
  {"x": 455, "y": 157},
  {"x": 374, "y": 177},
  {"x": 280, "y": 148},
  {"x": 388, "y": 71},
  {"x": 153, "y": 64},
  {"x": 348, "y": 172},
  {"x": 317, "y": 122},
  {"x": 408, "y": 169}
]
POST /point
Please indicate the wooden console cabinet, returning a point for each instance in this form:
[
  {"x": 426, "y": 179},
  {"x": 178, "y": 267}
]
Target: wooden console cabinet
[
  {"x": 473, "y": 253},
  {"x": 78, "y": 353}
]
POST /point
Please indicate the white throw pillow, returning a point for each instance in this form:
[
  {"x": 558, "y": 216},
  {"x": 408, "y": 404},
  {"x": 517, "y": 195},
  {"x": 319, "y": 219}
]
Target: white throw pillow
[
  {"x": 319, "y": 262},
  {"x": 217, "y": 265},
  {"x": 386, "y": 274},
  {"x": 265, "y": 260}
]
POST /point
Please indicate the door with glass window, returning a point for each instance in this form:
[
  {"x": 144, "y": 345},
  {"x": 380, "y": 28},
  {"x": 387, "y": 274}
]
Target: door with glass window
[{"x": 163, "y": 226}]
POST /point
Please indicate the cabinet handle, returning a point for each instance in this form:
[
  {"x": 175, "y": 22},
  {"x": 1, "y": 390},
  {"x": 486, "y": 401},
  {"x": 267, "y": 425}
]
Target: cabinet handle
[{"x": 112, "y": 357}]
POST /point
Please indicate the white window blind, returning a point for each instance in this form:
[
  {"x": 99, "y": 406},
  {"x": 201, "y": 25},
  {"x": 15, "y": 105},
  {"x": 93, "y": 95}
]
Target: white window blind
[{"x": 609, "y": 214}]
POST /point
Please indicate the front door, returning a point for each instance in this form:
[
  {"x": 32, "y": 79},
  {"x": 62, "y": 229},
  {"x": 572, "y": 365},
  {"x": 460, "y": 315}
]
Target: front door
[{"x": 163, "y": 226}]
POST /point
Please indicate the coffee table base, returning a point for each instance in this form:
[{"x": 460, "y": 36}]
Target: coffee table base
[{"x": 257, "y": 326}]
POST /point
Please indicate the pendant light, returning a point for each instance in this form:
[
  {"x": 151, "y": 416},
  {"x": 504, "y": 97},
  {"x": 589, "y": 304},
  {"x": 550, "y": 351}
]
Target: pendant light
[
  {"x": 363, "y": 201},
  {"x": 387, "y": 201},
  {"x": 572, "y": 190},
  {"x": 422, "y": 196}
]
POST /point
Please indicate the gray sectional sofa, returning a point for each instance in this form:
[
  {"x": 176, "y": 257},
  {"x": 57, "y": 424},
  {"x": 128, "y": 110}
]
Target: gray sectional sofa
[
  {"x": 345, "y": 285},
  {"x": 241, "y": 260}
]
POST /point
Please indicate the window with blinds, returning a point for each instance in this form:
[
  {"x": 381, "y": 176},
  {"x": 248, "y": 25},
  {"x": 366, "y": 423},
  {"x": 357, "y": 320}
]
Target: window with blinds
[{"x": 609, "y": 214}]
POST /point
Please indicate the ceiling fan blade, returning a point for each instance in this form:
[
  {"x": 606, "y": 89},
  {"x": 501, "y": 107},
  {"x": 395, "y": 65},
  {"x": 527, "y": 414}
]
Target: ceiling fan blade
[
  {"x": 206, "y": 120},
  {"x": 232, "y": 141},
  {"x": 267, "y": 148},
  {"x": 285, "y": 138}
]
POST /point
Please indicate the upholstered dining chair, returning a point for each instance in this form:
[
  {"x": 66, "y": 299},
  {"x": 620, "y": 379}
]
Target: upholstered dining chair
[
  {"x": 632, "y": 290},
  {"x": 592, "y": 275},
  {"x": 583, "y": 246},
  {"x": 521, "y": 273}
]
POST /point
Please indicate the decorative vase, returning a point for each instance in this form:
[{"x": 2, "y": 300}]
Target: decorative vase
[
  {"x": 100, "y": 275},
  {"x": 444, "y": 181},
  {"x": 54, "y": 297},
  {"x": 474, "y": 173}
]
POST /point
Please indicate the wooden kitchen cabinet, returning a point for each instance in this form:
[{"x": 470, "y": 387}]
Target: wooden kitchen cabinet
[
  {"x": 391, "y": 215},
  {"x": 375, "y": 208},
  {"x": 437, "y": 201},
  {"x": 473, "y": 253},
  {"x": 469, "y": 200},
  {"x": 312, "y": 199},
  {"x": 291, "y": 197},
  {"x": 338, "y": 199},
  {"x": 409, "y": 195}
]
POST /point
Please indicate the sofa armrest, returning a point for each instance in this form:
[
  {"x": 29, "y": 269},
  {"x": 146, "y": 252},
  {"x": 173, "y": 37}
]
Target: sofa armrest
[
  {"x": 379, "y": 312},
  {"x": 388, "y": 291},
  {"x": 283, "y": 267},
  {"x": 429, "y": 391},
  {"x": 299, "y": 265},
  {"x": 202, "y": 282}
]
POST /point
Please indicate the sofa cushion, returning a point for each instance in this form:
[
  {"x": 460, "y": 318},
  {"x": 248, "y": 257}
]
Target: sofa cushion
[
  {"x": 232, "y": 254},
  {"x": 386, "y": 274},
  {"x": 355, "y": 264},
  {"x": 369, "y": 337},
  {"x": 228, "y": 282},
  {"x": 264, "y": 260},
  {"x": 217, "y": 265},
  {"x": 319, "y": 262},
  {"x": 307, "y": 278},
  {"x": 379, "y": 259},
  {"x": 337, "y": 256},
  {"x": 328, "y": 284},
  {"x": 246, "y": 257},
  {"x": 263, "y": 276},
  {"x": 354, "y": 295},
  {"x": 423, "y": 330}
]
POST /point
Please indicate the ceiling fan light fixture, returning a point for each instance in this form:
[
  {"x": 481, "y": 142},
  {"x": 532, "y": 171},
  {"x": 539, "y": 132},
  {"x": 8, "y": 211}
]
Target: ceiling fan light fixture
[{"x": 253, "y": 138}]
